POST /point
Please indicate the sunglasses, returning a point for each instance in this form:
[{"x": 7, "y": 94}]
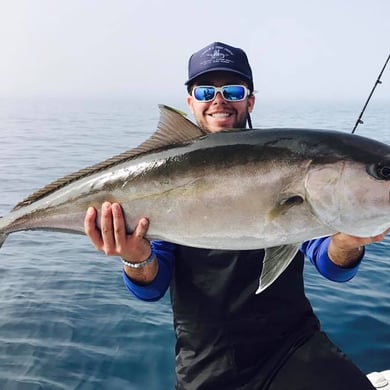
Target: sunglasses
[{"x": 231, "y": 93}]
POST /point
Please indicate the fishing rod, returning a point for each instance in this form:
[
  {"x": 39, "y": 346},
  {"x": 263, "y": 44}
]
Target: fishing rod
[{"x": 378, "y": 81}]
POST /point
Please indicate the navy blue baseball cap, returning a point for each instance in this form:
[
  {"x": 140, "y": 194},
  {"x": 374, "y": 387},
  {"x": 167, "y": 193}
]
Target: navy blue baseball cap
[{"x": 222, "y": 57}]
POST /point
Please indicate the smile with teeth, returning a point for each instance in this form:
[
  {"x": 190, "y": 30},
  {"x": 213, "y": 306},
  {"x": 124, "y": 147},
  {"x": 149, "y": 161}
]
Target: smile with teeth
[{"x": 220, "y": 115}]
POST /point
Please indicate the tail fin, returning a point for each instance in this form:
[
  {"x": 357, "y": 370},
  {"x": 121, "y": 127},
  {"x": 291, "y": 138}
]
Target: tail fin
[
  {"x": 2, "y": 239},
  {"x": 3, "y": 236}
]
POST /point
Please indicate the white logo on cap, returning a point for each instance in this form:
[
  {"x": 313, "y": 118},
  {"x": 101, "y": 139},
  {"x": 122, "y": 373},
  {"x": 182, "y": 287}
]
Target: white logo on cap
[{"x": 217, "y": 54}]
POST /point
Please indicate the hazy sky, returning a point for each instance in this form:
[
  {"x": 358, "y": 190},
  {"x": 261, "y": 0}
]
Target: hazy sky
[{"x": 119, "y": 48}]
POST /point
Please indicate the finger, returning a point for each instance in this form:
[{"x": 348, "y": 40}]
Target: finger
[
  {"x": 91, "y": 229},
  {"x": 379, "y": 237},
  {"x": 90, "y": 221},
  {"x": 118, "y": 224},
  {"x": 142, "y": 228},
  {"x": 370, "y": 240},
  {"x": 107, "y": 229}
]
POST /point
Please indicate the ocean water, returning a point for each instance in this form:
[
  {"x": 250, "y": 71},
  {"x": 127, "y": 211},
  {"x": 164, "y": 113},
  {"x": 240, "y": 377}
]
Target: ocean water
[{"x": 66, "y": 319}]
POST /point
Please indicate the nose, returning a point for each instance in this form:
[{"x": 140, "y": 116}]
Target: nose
[{"x": 219, "y": 98}]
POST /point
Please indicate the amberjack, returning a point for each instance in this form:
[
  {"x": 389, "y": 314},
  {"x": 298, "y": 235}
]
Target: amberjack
[{"x": 236, "y": 189}]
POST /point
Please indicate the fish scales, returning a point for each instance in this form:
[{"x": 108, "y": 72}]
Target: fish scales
[{"x": 238, "y": 189}]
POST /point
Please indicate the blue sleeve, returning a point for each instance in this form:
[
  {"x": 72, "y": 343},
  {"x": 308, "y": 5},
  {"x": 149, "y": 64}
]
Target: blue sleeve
[
  {"x": 164, "y": 252},
  {"x": 317, "y": 252}
]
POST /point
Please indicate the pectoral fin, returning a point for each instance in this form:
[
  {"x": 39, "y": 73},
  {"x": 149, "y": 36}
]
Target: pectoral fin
[{"x": 275, "y": 261}]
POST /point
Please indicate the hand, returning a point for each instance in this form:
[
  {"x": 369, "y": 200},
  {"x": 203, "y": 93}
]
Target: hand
[
  {"x": 345, "y": 250},
  {"x": 346, "y": 242},
  {"x": 112, "y": 238}
]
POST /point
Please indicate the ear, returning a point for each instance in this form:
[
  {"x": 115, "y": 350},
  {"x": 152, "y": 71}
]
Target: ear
[
  {"x": 251, "y": 103},
  {"x": 190, "y": 103}
]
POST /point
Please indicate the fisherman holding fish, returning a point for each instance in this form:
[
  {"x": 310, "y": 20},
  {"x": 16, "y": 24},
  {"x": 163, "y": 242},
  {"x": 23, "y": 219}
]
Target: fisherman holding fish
[{"x": 229, "y": 337}]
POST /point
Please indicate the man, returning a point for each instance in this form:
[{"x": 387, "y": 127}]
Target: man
[{"x": 227, "y": 336}]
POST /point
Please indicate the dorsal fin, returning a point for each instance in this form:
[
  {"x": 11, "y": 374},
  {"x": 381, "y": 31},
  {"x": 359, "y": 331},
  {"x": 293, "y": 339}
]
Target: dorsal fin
[{"x": 173, "y": 129}]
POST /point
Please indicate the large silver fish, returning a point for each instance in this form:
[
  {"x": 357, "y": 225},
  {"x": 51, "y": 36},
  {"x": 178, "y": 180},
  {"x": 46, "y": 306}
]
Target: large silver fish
[{"x": 239, "y": 189}]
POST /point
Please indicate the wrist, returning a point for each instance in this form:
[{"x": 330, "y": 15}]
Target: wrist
[
  {"x": 345, "y": 258},
  {"x": 139, "y": 264},
  {"x": 142, "y": 273}
]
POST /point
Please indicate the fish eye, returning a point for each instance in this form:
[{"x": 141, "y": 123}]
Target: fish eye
[{"x": 380, "y": 171}]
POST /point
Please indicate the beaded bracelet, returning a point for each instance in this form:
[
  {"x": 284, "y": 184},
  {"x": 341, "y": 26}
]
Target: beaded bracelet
[{"x": 142, "y": 264}]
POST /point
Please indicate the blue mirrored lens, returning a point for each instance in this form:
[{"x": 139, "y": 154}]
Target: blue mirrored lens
[
  {"x": 233, "y": 92},
  {"x": 204, "y": 94}
]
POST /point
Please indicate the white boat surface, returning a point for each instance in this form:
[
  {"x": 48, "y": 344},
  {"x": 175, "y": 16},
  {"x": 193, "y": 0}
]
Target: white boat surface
[{"x": 380, "y": 380}]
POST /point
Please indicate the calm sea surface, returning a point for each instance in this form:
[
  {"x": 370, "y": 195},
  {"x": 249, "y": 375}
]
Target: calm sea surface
[{"x": 66, "y": 319}]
